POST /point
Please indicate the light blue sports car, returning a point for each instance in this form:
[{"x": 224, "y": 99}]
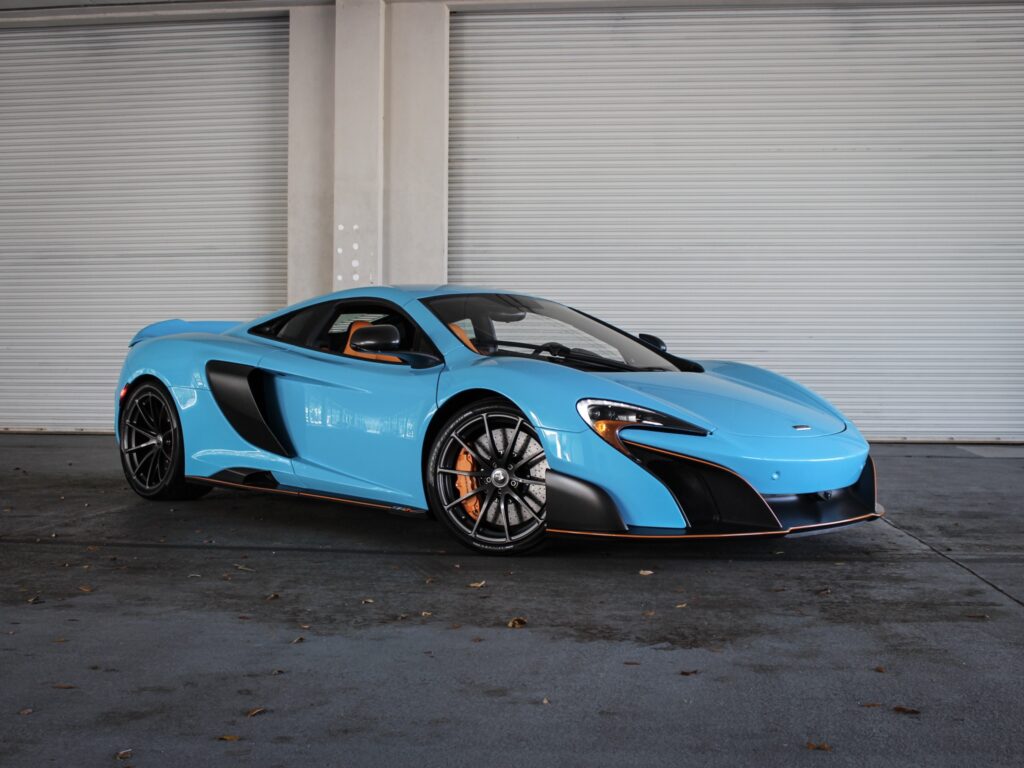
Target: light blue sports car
[{"x": 507, "y": 417}]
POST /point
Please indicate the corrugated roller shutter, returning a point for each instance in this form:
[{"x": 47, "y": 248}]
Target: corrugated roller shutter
[
  {"x": 143, "y": 176},
  {"x": 835, "y": 194}
]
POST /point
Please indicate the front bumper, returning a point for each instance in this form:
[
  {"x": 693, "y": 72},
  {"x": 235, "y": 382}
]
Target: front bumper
[{"x": 715, "y": 502}]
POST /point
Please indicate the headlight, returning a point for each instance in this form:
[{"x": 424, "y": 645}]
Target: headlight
[{"x": 608, "y": 418}]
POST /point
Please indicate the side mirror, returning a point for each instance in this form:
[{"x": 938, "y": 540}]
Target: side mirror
[
  {"x": 375, "y": 338},
  {"x": 653, "y": 341},
  {"x": 386, "y": 339}
]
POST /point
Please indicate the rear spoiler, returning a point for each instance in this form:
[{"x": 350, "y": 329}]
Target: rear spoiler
[{"x": 174, "y": 327}]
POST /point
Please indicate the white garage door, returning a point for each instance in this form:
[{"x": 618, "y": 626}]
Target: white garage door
[
  {"x": 143, "y": 173},
  {"x": 835, "y": 194}
]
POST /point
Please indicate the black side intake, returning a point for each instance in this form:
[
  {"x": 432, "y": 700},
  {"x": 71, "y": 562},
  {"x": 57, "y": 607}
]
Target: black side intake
[{"x": 241, "y": 393}]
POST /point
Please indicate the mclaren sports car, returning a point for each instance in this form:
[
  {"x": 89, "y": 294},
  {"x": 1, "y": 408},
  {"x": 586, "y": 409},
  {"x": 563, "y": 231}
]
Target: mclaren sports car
[{"x": 509, "y": 418}]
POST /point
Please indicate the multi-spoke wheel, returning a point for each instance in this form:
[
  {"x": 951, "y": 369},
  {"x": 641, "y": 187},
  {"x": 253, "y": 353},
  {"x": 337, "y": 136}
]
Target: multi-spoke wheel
[
  {"x": 486, "y": 478},
  {"x": 152, "y": 453}
]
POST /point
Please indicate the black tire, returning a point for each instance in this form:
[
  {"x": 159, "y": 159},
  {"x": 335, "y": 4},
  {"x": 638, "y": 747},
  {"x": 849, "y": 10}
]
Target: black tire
[
  {"x": 151, "y": 446},
  {"x": 485, "y": 479}
]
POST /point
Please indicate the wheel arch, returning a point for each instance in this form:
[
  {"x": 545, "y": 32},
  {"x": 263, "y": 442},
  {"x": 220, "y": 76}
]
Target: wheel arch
[
  {"x": 447, "y": 409},
  {"x": 130, "y": 386}
]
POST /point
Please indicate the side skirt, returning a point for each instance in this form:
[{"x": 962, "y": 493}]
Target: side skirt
[{"x": 260, "y": 480}]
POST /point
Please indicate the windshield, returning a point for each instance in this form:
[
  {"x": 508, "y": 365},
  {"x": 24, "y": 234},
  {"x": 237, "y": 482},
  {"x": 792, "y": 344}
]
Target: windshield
[{"x": 499, "y": 324}]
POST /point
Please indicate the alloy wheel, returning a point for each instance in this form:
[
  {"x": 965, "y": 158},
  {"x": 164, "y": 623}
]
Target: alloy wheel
[
  {"x": 490, "y": 479},
  {"x": 148, "y": 439}
]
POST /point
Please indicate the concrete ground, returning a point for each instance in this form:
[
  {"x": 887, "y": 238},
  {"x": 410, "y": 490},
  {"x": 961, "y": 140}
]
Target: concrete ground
[{"x": 248, "y": 629}]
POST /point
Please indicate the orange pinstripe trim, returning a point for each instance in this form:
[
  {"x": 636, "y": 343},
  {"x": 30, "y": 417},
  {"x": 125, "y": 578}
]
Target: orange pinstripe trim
[
  {"x": 747, "y": 534},
  {"x": 302, "y": 494}
]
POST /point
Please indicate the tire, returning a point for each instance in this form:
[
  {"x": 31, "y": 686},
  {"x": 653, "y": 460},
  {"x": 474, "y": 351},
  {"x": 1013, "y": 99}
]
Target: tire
[
  {"x": 151, "y": 446},
  {"x": 485, "y": 479}
]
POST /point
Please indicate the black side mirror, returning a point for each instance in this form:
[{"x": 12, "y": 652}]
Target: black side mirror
[
  {"x": 375, "y": 338},
  {"x": 386, "y": 339},
  {"x": 653, "y": 341}
]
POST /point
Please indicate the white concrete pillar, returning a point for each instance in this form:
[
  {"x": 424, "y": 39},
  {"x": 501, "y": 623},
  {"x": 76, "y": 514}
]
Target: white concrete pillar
[
  {"x": 358, "y": 141},
  {"x": 310, "y": 152},
  {"x": 416, "y": 165}
]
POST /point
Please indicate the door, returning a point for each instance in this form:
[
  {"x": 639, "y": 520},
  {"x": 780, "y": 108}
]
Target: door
[{"x": 355, "y": 421}]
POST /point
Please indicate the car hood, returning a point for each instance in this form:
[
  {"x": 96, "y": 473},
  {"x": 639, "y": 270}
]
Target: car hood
[{"x": 737, "y": 399}]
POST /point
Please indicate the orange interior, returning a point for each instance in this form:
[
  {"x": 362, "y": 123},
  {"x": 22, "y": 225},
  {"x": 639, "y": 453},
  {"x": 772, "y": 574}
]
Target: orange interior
[
  {"x": 463, "y": 337},
  {"x": 351, "y": 352},
  {"x": 464, "y": 485}
]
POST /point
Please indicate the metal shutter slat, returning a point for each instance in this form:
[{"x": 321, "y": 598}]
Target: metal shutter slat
[
  {"x": 836, "y": 194},
  {"x": 143, "y": 176}
]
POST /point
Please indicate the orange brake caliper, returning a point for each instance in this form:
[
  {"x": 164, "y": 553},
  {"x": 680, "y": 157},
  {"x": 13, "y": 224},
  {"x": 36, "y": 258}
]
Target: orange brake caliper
[{"x": 464, "y": 485}]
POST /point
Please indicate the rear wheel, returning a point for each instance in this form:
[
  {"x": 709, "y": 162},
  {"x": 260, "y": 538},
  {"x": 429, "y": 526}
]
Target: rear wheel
[
  {"x": 485, "y": 479},
  {"x": 152, "y": 449}
]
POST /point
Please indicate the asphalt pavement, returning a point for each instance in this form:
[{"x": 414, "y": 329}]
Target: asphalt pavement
[{"x": 244, "y": 629}]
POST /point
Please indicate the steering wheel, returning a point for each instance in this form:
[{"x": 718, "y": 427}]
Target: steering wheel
[{"x": 552, "y": 348}]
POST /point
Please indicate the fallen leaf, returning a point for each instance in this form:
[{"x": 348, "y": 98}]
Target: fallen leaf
[
  {"x": 900, "y": 709},
  {"x": 61, "y": 640},
  {"x": 195, "y": 575},
  {"x": 822, "y": 746},
  {"x": 456, "y": 566},
  {"x": 426, "y": 614},
  {"x": 367, "y": 601},
  {"x": 229, "y": 737},
  {"x": 34, "y": 600},
  {"x": 241, "y": 567},
  {"x": 477, "y": 584},
  {"x": 631, "y": 663},
  {"x": 545, "y": 700},
  {"x": 680, "y": 605},
  {"x": 871, "y": 705},
  {"x": 85, "y": 588},
  {"x": 454, "y": 626},
  {"x": 428, "y": 580},
  {"x": 477, "y": 640},
  {"x": 516, "y": 622},
  {"x": 688, "y": 672},
  {"x": 305, "y": 626},
  {"x": 976, "y": 615},
  {"x": 880, "y": 669},
  {"x": 299, "y": 639},
  {"x": 278, "y": 672},
  {"x": 243, "y": 617},
  {"x": 778, "y": 552},
  {"x": 124, "y": 754},
  {"x": 256, "y": 711},
  {"x": 646, "y": 573},
  {"x": 822, "y": 593},
  {"x": 25, "y": 711},
  {"x": 272, "y": 596},
  {"x": 648, "y": 614},
  {"x": 65, "y": 686}
]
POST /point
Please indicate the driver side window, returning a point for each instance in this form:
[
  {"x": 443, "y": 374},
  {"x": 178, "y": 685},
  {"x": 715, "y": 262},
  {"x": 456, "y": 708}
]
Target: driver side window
[{"x": 348, "y": 317}]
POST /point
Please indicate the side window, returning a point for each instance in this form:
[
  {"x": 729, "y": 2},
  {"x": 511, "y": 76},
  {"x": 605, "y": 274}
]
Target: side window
[
  {"x": 350, "y": 315},
  {"x": 335, "y": 338},
  {"x": 295, "y": 327}
]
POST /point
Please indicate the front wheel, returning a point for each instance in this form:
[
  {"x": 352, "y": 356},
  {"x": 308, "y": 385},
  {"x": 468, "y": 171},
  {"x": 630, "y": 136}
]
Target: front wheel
[
  {"x": 152, "y": 448},
  {"x": 485, "y": 479}
]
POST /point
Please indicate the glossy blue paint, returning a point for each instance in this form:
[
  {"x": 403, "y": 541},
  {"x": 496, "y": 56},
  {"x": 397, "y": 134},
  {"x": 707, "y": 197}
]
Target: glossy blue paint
[{"x": 358, "y": 427}]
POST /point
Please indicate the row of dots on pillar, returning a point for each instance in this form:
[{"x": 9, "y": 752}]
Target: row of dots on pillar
[{"x": 352, "y": 249}]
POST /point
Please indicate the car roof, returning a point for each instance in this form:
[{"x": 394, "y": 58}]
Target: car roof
[
  {"x": 396, "y": 294},
  {"x": 403, "y": 294}
]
